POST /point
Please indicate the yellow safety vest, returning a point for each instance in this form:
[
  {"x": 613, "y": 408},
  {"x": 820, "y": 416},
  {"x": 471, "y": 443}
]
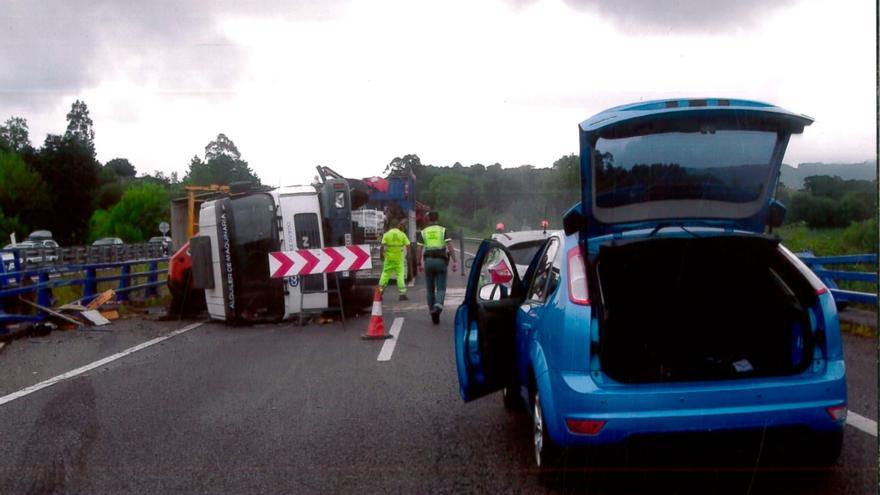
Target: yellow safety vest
[
  {"x": 434, "y": 237},
  {"x": 395, "y": 243}
]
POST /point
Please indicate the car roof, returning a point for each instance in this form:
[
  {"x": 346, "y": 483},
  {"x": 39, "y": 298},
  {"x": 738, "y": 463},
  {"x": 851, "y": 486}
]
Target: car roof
[{"x": 518, "y": 237}]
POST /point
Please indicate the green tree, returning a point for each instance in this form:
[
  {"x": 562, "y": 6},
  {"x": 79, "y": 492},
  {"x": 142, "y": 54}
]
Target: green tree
[
  {"x": 9, "y": 225},
  {"x": 222, "y": 146},
  {"x": 121, "y": 167},
  {"x": 135, "y": 218},
  {"x": 69, "y": 168},
  {"x": 24, "y": 197},
  {"x": 405, "y": 164},
  {"x": 14, "y": 134},
  {"x": 222, "y": 165},
  {"x": 79, "y": 125}
]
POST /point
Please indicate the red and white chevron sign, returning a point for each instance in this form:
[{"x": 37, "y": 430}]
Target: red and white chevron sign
[{"x": 326, "y": 260}]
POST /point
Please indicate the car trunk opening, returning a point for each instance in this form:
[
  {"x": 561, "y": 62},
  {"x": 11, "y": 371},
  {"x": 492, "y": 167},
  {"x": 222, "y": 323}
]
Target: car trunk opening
[{"x": 701, "y": 308}]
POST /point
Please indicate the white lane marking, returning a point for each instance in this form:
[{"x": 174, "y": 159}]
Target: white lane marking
[
  {"x": 860, "y": 422},
  {"x": 101, "y": 362},
  {"x": 388, "y": 346}
]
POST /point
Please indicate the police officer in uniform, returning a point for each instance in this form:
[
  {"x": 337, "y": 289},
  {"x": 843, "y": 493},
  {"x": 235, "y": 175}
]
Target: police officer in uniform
[
  {"x": 437, "y": 250},
  {"x": 393, "y": 252}
]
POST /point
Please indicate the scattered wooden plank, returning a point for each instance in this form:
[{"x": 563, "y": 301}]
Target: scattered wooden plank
[
  {"x": 101, "y": 299},
  {"x": 52, "y": 312},
  {"x": 110, "y": 315}
]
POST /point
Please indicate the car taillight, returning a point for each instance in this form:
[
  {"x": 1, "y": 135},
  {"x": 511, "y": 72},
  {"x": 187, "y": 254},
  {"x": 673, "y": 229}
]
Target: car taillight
[
  {"x": 577, "y": 277},
  {"x": 584, "y": 426},
  {"x": 837, "y": 413}
]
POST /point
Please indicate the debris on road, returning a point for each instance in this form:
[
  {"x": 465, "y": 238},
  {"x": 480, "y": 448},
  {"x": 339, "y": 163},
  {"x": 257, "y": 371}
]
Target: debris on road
[
  {"x": 51, "y": 312},
  {"x": 95, "y": 317},
  {"x": 103, "y": 298}
]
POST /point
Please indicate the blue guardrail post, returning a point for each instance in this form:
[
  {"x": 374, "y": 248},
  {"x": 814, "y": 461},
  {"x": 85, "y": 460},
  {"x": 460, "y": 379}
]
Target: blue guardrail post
[
  {"x": 124, "y": 282},
  {"x": 152, "y": 278},
  {"x": 90, "y": 287},
  {"x": 44, "y": 293}
]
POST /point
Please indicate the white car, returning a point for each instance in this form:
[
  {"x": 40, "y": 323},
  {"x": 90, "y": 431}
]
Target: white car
[
  {"x": 523, "y": 245},
  {"x": 108, "y": 241},
  {"x": 31, "y": 251}
]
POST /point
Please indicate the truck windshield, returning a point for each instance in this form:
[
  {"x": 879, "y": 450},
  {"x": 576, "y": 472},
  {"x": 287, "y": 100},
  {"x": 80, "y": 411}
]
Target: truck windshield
[{"x": 725, "y": 165}]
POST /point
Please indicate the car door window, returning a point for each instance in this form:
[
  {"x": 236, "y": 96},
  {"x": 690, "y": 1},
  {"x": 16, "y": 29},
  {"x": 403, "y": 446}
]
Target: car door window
[
  {"x": 496, "y": 276},
  {"x": 554, "y": 274},
  {"x": 538, "y": 290}
]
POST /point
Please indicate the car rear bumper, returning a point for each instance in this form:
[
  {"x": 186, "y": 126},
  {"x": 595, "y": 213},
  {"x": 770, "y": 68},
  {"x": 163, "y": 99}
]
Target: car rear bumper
[{"x": 632, "y": 410}]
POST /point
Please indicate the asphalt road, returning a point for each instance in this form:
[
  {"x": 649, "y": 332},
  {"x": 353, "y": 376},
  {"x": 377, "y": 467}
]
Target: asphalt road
[{"x": 287, "y": 409}]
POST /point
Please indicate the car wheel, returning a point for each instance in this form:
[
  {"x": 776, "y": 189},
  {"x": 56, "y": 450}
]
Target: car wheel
[
  {"x": 510, "y": 394},
  {"x": 547, "y": 455},
  {"x": 828, "y": 448}
]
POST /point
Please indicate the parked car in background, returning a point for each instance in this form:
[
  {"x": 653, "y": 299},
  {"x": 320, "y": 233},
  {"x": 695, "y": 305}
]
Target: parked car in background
[
  {"x": 664, "y": 307},
  {"x": 108, "y": 241},
  {"x": 39, "y": 235},
  {"x": 31, "y": 252}
]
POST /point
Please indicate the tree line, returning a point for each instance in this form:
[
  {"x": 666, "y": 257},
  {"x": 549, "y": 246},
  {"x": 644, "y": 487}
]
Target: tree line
[
  {"x": 62, "y": 187},
  {"x": 477, "y": 197}
]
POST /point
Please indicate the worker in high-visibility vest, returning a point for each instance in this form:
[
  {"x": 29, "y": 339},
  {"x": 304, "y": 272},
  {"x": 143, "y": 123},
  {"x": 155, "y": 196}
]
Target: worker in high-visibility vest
[
  {"x": 437, "y": 250},
  {"x": 393, "y": 252}
]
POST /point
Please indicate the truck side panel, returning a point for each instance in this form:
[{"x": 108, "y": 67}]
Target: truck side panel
[{"x": 292, "y": 205}]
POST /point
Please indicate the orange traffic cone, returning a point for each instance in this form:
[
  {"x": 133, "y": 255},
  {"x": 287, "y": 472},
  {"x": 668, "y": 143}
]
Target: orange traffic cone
[{"x": 376, "y": 330}]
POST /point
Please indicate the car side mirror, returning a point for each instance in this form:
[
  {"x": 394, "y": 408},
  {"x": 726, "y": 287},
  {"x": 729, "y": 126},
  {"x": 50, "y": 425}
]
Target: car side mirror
[
  {"x": 573, "y": 221},
  {"x": 468, "y": 263},
  {"x": 775, "y": 214},
  {"x": 490, "y": 292}
]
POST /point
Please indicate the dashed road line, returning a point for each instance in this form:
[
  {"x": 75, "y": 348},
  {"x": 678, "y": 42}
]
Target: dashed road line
[
  {"x": 860, "y": 422},
  {"x": 101, "y": 362},
  {"x": 388, "y": 346}
]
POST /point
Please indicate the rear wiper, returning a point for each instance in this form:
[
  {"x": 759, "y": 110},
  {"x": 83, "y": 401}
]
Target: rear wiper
[
  {"x": 658, "y": 227},
  {"x": 664, "y": 225}
]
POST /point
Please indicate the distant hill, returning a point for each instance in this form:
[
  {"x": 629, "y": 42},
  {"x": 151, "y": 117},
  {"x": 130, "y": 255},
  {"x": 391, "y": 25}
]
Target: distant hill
[{"x": 794, "y": 177}]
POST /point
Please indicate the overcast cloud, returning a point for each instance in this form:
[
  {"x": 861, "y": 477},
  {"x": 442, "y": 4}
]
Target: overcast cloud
[{"x": 352, "y": 84}]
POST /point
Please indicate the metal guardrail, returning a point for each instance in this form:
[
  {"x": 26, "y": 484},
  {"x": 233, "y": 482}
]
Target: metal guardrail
[
  {"x": 830, "y": 276},
  {"x": 23, "y": 258},
  {"x": 43, "y": 278}
]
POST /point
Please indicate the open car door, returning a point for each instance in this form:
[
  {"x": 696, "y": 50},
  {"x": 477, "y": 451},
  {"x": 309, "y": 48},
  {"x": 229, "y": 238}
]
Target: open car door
[{"x": 485, "y": 323}]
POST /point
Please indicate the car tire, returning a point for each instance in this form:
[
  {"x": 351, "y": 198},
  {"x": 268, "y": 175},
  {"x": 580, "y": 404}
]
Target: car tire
[
  {"x": 510, "y": 394},
  {"x": 827, "y": 450},
  {"x": 547, "y": 455}
]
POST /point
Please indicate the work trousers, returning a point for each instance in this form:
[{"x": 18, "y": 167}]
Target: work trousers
[
  {"x": 435, "y": 280},
  {"x": 396, "y": 269}
]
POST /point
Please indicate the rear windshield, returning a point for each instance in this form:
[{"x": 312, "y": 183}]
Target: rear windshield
[
  {"x": 723, "y": 165},
  {"x": 523, "y": 253}
]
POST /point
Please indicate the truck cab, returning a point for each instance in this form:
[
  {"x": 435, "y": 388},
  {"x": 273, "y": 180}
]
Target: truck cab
[{"x": 230, "y": 254}]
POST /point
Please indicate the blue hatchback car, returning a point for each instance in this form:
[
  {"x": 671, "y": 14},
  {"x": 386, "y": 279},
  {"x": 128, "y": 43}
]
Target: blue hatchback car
[{"x": 666, "y": 305}]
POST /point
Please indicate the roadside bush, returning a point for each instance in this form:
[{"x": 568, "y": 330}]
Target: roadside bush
[
  {"x": 135, "y": 218},
  {"x": 861, "y": 236},
  {"x": 817, "y": 212}
]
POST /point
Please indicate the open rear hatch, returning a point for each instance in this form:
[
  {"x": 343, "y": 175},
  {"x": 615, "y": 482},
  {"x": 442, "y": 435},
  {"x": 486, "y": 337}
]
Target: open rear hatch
[
  {"x": 706, "y": 161},
  {"x": 701, "y": 308}
]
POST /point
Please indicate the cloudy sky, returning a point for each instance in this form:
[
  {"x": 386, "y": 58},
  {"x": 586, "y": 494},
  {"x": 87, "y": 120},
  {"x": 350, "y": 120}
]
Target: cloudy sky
[{"x": 354, "y": 83}]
